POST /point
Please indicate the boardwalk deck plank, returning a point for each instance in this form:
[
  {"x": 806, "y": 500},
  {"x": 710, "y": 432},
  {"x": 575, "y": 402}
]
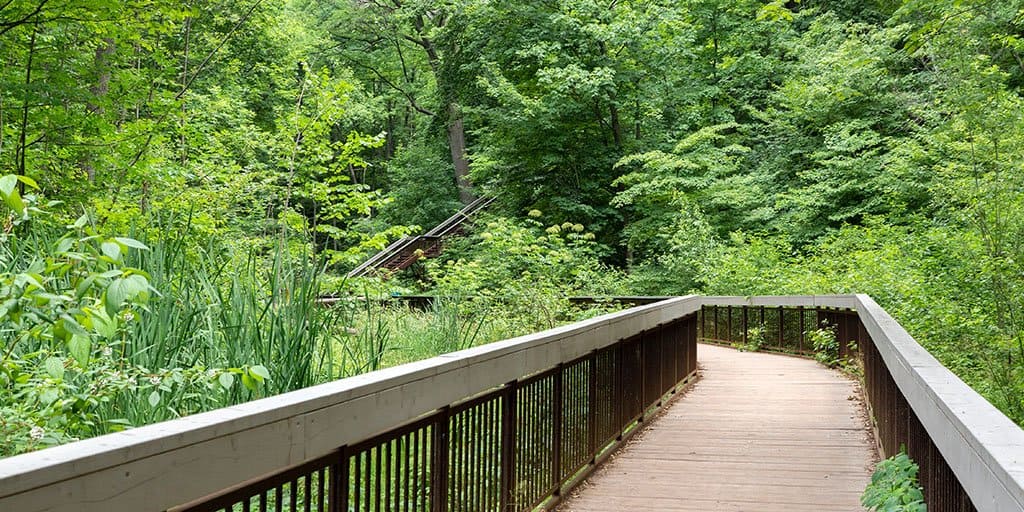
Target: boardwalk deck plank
[{"x": 759, "y": 432}]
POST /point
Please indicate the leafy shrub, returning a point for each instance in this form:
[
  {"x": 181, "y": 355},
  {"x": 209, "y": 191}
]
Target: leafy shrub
[
  {"x": 756, "y": 339},
  {"x": 90, "y": 343},
  {"x": 826, "y": 347},
  {"x": 523, "y": 268},
  {"x": 894, "y": 487}
]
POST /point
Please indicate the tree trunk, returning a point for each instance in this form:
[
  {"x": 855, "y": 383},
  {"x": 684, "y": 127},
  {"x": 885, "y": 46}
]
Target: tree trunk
[
  {"x": 457, "y": 143},
  {"x": 616, "y": 124},
  {"x": 22, "y": 138},
  {"x": 184, "y": 84},
  {"x": 456, "y": 130},
  {"x": 101, "y": 61}
]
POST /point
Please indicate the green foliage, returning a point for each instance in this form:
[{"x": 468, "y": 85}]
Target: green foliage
[
  {"x": 826, "y": 346},
  {"x": 662, "y": 194},
  {"x": 894, "y": 487},
  {"x": 254, "y": 152},
  {"x": 421, "y": 195},
  {"x": 756, "y": 339},
  {"x": 561, "y": 91},
  {"x": 90, "y": 343},
  {"x": 525, "y": 268}
]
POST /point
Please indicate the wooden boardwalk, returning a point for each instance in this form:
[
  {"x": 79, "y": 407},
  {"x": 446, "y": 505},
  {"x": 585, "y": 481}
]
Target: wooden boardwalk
[{"x": 759, "y": 432}]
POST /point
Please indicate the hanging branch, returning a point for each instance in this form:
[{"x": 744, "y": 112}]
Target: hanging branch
[
  {"x": 23, "y": 148},
  {"x": 7, "y": 26}
]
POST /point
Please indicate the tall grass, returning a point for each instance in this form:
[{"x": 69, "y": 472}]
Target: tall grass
[
  {"x": 403, "y": 334},
  {"x": 223, "y": 326},
  {"x": 216, "y": 312}
]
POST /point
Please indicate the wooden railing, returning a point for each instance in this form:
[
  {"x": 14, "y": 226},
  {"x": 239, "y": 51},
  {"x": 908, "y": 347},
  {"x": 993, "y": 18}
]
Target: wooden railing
[
  {"x": 971, "y": 456},
  {"x": 779, "y": 328},
  {"x": 513, "y": 422},
  {"x": 511, "y": 425}
]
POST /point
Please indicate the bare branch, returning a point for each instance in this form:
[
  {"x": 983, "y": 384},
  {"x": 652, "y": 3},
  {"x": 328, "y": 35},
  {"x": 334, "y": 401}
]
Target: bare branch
[
  {"x": 12, "y": 24},
  {"x": 408, "y": 96}
]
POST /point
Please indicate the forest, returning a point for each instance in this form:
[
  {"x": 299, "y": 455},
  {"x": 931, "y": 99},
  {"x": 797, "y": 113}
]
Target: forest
[{"x": 182, "y": 181}]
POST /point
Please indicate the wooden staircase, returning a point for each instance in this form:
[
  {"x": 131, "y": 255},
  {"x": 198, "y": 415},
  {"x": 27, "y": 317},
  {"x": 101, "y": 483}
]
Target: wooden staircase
[{"x": 407, "y": 250}]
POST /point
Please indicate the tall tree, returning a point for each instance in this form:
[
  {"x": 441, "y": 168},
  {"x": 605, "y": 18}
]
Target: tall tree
[{"x": 395, "y": 43}]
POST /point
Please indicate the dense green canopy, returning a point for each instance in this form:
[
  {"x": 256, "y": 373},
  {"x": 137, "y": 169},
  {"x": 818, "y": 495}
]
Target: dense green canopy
[{"x": 219, "y": 152}]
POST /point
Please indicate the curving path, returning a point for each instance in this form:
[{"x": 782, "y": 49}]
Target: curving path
[{"x": 758, "y": 432}]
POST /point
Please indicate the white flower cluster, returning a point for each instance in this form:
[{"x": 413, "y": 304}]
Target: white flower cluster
[{"x": 36, "y": 433}]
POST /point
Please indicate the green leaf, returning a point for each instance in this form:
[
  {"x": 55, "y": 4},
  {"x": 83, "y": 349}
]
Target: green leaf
[
  {"x": 226, "y": 380},
  {"x": 48, "y": 396},
  {"x": 80, "y": 347},
  {"x": 249, "y": 382},
  {"x": 259, "y": 372},
  {"x": 32, "y": 279},
  {"x": 81, "y": 222},
  {"x": 13, "y": 200},
  {"x": 103, "y": 324},
  {"x": 7, "y": 184},
  {"x": 71, "y": 325},
  {"x": 131, "y": 242},
  {"x": 28, "y": 181},
  {"x": 154, "y": 398},
  {"x": 54, "y": 367},
  {"x": 125, "y": 289},
  {"x": 65, "y": 244},
  {"x": 83, "y": 287},
  {"x": 112, "y": 250}
]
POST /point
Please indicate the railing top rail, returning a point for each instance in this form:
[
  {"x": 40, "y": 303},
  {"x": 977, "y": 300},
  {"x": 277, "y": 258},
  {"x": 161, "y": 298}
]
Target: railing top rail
[
  {"x": 829, "y": 301},
  {"x": 460, "y": 216},
  {"x": 198, "y": 455},
  {"x": 983, "y": 447}
]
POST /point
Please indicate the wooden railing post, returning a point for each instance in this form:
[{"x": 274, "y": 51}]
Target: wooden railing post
[
  {"x": 338, "y": 488},
  {"x": 507, "y": 502},
  {"x": 781, "y": 327},
  {"x": 728, "y": 325},
  {"x": 800, "y": 343},
  {"x": 744, "y": 323},
  {"x": 717, "y": 337},
  {"x": 439, "y": 470},
  {"x": 592, "y": 409},
  {"x": 764, "y": 328},
  {"x": 556, "y": 428}
]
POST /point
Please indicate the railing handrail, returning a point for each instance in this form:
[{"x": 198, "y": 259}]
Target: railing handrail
[
  {"x": 981, "y": 445},
  {"x": 437, "y": 233},
  {"x": 205, "y": 453},
  {"x": 392, "y": 248},
  {"x": 460, "y": 216},
  {"x": 198, "y": 455}
]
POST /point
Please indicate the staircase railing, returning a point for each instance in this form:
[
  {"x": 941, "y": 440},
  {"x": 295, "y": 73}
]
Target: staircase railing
[
  {"x": 401, "y": 253},
  {"x": 382, "y": 256}
]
